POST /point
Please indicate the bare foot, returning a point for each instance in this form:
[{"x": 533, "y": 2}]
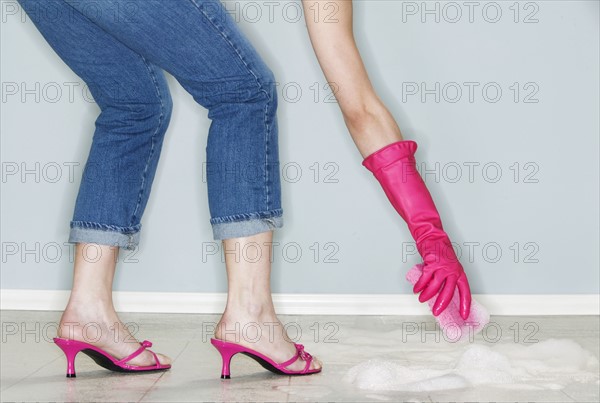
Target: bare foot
[
  {"x": 241, "y": 327},
  {"x": 100, "y": 326}
]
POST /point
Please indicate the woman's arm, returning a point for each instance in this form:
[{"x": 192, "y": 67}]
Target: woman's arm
[
  {"x": 373, "y": 128},
  {"x": 370, "y": 124}
]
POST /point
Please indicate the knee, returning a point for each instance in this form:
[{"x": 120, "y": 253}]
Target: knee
[
  {"x": 165, "y": 110},
  {"x": 137, "y": 116},
  {"x": 156, "y": 112},
  {"x": 268, "y": 85},
  {"x": 167, "y": 105},
  {"x": 257, "y": 89}
]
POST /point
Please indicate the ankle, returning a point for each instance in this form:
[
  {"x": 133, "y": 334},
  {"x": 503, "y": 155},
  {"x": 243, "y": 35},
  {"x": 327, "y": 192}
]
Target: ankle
[
  {"x": 94, "y": 297},
  {"x": 249, "y": 309},
  {"x": 86, "y": 309}
]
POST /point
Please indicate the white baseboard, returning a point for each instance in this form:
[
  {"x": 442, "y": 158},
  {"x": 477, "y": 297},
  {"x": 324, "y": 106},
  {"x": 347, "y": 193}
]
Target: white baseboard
[{"x": 308, "y": 304}]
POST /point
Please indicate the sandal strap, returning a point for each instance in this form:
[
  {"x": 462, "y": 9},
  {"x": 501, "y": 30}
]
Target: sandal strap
[
  {"x": 158, "y": 364},
  {"x": 143, "y": 345},
  {"x": 307, "y": 366},
  {"x": 300, "y": 353}
]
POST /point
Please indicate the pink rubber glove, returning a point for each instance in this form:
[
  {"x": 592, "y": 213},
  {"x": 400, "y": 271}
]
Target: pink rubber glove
[
  {"x": 395, "y": 168},
  {"x": 454, "y": 327},
  {"x": 442, "y": 272}
]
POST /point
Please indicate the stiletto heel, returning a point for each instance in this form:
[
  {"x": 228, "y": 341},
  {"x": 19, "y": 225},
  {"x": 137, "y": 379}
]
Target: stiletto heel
[
  {"x": 72, "y": 347},
  {"x": 228, "y": 350},
  {"x": 70, "y": 352},
  {"x": 225, "y": 371}
]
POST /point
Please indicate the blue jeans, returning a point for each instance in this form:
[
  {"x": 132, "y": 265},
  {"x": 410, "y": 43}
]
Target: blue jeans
[{"x": 120, "y": 49}]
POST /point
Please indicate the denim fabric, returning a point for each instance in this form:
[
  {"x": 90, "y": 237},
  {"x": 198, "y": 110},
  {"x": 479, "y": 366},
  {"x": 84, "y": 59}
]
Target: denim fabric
[{"x": 120, "y": 49}]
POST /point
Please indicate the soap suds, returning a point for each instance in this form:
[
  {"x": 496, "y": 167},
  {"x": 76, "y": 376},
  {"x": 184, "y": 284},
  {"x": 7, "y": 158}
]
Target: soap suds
[{"x": 549, "y": 364}]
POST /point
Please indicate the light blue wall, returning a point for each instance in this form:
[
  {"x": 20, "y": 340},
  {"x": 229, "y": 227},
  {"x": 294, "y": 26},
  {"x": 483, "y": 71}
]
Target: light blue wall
[{"x": 541, "y": 214}]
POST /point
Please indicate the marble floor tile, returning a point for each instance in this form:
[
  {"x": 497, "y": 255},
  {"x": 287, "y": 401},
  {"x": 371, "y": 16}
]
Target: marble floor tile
[{"x": 33, "y": 368}]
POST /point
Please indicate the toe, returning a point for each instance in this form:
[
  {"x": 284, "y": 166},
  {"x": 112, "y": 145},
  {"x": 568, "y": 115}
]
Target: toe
[
  {"x": 316, "y": 363},
  {"x": 164, "y": 360},
  {"x": 146, "y": 359}
]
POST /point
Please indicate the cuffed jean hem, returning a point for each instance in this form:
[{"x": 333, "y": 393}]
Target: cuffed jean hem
[
  {"x": 244, "y": 228},
  {"x": 84, "y": 234}
]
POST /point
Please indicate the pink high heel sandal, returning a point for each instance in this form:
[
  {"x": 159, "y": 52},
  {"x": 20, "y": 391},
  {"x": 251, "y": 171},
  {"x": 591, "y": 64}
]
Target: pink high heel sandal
[
  {"x": 102, "y": 358},
  {"x": 228, "y": 350}
]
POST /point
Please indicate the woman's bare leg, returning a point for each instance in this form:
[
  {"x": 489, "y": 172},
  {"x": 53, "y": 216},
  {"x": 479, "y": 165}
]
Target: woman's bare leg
[
  {"x": 370, "y": 123},
  {"x": 90, "y": 314},
  {"x": 249, "y": 303}
]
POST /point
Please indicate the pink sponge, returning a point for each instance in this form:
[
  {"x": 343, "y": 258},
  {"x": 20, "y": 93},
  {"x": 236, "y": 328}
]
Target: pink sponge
[{"x": 453, "y": 326}]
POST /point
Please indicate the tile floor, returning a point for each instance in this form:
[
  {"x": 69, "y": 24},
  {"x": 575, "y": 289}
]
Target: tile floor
[{"x": 33, "y": 369}]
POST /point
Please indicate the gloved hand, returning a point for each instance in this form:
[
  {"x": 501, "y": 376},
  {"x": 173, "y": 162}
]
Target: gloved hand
[
  {"x": 395, "y": 168},
  {"x": 442, "y": 272}
]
